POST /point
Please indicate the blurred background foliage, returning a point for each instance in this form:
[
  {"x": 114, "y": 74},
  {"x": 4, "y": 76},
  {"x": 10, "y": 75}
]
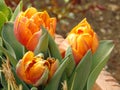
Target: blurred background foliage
[{"x": 103, "y": 15}]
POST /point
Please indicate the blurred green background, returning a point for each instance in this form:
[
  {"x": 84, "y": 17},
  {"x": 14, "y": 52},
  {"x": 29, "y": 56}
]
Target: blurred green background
[{"x": 103, "y": 15}]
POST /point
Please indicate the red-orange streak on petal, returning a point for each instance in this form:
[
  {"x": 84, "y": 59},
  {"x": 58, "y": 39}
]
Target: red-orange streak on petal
[
  {"x": 74, "y": 30},
  {"x": 79, "y": 31}
]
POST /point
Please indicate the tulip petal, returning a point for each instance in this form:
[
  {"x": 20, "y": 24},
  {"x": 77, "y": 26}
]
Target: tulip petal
[
  {"x": 63, "y": 47},
  {"x": 45, "y": 16},
  {"x": 22, "y": 33},
  {"x": 21, "y": 72},
  {"x": 35, "y": 72},
  {"x": 74, "y": 30},
  {"x": 83, "y": 26},
  {"x": 29, "y": 12},
  {"x": 52, "y": 26},
  {"x": 33, "y": 27},
  {"x": 88, "y": 39},
  {"x": 53, "y": 68},
  {"x": 43, "y": 79},
  {"x": 72, "y": 38},
  {"x": 16, "y": 23},
  {"x": 27, "y": 57},
  {"x": 32, "y": 43},
  {"x": 82, "y": 46},
  {"x": 95, "y": 43},
  {"x": 77, "y": 56},
  {"x": 37, "y": 20}
]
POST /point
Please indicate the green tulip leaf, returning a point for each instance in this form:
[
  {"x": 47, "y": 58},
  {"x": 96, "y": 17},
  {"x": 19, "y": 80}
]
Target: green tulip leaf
[
  {"x": 3, "y": 81},
  {"x": 55, "y": 80},
  {"x": 10, "y": 13},
  {"x": 9, "y": 56},
  {"x": 10, "y": 40},
  {"x": 53, "y": 48},
  {"x": 4, "y": 8},
  {"x": 17, "y": 11},
  {"x": 3, "y": 19},
  {"x": 42, "y": 45},
  {"x": 100, "y": 59},
  {"x": 46, "y": 43},
  {"x": 1, "y": 44},
  {"x": 69, "y": 69},
  {"x": 9, "y": 49},
  {"x": 81, "y": 73}
]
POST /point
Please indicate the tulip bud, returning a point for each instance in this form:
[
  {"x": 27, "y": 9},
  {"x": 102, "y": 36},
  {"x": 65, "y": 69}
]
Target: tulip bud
[
  {"x": 27, "y": 27},
  {"x": 34, "y": 69},
  {"x": 81, "y": 39}
]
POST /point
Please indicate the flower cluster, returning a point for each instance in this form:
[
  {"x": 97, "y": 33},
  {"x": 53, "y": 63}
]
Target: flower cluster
[
  {"x": 27, "y": 31},
  {"x": 45, "y": 60}
]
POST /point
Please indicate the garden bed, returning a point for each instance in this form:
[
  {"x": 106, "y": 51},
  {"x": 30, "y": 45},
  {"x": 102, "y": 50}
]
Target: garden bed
[{"x": 106, "y": 82}]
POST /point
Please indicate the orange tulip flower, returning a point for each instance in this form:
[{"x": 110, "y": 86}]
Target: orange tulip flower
[
  {"x": 27, "y": 27},
  {"x": 81, "y": 39},
  {"x": 34, "y": 70}
]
